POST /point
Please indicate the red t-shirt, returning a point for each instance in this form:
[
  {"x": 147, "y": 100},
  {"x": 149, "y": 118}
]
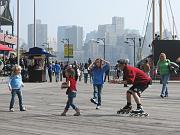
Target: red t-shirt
[
  {"x": 135, "y": 76},
  {"x": 72, "y": 84}
]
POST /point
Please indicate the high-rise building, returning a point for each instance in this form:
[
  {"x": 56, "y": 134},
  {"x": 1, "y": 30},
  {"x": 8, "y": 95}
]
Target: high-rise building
[
  {"x": 91, "y": 35},
  {"x": 41, "y": 34},
  {"x": 118, "y": 24},
  {"x": 75, "y": 36},
  {"x": 111, "y": 33}
]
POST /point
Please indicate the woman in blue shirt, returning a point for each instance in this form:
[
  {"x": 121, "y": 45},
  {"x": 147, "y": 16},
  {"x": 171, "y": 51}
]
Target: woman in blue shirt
[{"x": 98, "y": 68}]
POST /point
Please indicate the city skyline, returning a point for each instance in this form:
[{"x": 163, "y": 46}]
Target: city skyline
[{"x": 88, "y": 14}]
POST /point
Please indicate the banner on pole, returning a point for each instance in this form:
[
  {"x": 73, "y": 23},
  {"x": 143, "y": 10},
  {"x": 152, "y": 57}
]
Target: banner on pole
[{"x": 70, "y": 49}]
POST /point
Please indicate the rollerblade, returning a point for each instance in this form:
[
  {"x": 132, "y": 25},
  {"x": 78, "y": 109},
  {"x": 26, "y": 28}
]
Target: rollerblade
[
  {"x": 125, "y": 110},
  {"x": 139, "y": 112},
  {"x": 93, "y": 101}
]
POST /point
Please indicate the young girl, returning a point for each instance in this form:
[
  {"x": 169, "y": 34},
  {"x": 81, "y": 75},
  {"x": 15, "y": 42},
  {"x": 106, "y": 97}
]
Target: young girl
[
  {"x": 15, "y": 85},
  {"x": 71, "y": 91},
  {"x": 98, "y": 69}
]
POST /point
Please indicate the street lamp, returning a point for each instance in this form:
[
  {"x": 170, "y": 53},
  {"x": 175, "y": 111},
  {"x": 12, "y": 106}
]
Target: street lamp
[
  {"x": 66, "y": 40},
  {"x": 134, "y": 44},
  {"x": 18, "y": 6},
  {"x": 34, "y": 24},
  {"x": 103, "y": 40}
]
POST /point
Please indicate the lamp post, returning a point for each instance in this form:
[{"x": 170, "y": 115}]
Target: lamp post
[
  {"x": 103, "y": 40},
  {"x": 67, "y": 40},
  {"x": 18, "y": 31},
  {"x": 134, "y": 44},
  {"x": 34, "y": 24}
]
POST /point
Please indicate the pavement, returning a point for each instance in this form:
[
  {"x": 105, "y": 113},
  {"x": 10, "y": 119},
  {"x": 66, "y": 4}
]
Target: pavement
[{"x": 46, "y": 101}]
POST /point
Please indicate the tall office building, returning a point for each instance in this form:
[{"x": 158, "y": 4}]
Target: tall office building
[
  {"x": 75, "y": 36},
  {"x": 41, "y": 34},
  {"x": 118, "y": 24}
]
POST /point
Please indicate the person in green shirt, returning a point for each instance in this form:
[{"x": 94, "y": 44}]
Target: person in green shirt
[{"x": 163, "y": 68}]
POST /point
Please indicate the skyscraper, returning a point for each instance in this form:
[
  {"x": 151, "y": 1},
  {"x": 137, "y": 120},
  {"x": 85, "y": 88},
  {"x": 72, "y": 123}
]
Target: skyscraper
[
  {"x": 118, "y": 24},
  {"x": 75, "y": 36},
  {"x": 41, "y": 34}
]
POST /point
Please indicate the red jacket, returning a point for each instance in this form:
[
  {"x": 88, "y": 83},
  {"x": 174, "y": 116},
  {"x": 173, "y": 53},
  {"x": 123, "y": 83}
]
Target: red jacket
[{"x": 135, "y": 76}]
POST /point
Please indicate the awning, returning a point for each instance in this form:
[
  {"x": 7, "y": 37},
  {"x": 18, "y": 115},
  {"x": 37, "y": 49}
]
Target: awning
[
  {"x": 5, "y": 48},
  {"x": 38, "y": 51}
]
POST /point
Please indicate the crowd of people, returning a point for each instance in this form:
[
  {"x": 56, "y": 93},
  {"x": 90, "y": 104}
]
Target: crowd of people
[{"x": 98, "y": 71}]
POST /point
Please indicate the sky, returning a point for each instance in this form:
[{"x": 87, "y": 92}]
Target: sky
[{"x": 86, "y": 13}]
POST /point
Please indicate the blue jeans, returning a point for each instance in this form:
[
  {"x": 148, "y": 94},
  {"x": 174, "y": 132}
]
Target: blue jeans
[
  {"x": 164, "y": 79},
  {"x": 97, "y": 92},
  {"x": 20, "y": 97},
  {"x": 57, "y": 76},
  {"x": 71, "y": 96},
  {"x": 85, "y": 77}
]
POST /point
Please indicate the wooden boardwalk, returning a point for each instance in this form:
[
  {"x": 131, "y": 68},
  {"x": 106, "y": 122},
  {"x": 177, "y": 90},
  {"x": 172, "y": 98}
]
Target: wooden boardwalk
[{"x": 45, "y": 102}]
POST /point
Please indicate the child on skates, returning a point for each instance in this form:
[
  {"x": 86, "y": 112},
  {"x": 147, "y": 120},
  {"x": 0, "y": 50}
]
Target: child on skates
[
  {"x": 15, "y": 84},
  {"x": 71, "y": 91},
  {"x": 98, "y": 69},
  {"x": 139, "y": 81}
]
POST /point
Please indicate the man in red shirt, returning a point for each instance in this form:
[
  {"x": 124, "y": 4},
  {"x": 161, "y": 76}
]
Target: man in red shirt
[{"x": 139, "y": 80}]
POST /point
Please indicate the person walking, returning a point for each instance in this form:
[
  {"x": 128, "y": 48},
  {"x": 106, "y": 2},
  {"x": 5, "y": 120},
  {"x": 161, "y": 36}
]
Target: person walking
[
  {"x": 98, "y": 69},
  {"x": 107, "y": 75},
  {"x": 71, "y": 92},
  {"x": 50, "y": 71},
  {"x": 15, "y": 84},
  {"x": 57, "y": 70},
  {"x": 163, "y": 68},
  {"x": 85, "y": 72}
]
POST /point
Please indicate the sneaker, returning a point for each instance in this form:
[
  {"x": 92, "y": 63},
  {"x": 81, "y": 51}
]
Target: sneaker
[
  {"x": 77, "y": 114},
  {"x": 23, "y": 109},
  {"x": 63, "y": 114},
  {"x": 11, "y": 109},
  {"x": 98, "y": 107},
  {"x": 93, "y": 101},
  {"x": 161, "y": 96}
]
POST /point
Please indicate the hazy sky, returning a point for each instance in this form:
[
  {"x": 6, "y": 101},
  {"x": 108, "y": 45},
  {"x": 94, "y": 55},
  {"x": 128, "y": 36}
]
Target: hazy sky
[{"x": 86, "y": 13}]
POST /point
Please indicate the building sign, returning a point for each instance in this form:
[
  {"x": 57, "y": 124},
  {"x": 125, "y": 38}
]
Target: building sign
[{"x": 66, "y": 53}]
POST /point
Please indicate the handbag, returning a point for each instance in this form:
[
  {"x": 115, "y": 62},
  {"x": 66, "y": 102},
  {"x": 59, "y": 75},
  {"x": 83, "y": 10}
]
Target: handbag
[{"x": 173, "y": 68}]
